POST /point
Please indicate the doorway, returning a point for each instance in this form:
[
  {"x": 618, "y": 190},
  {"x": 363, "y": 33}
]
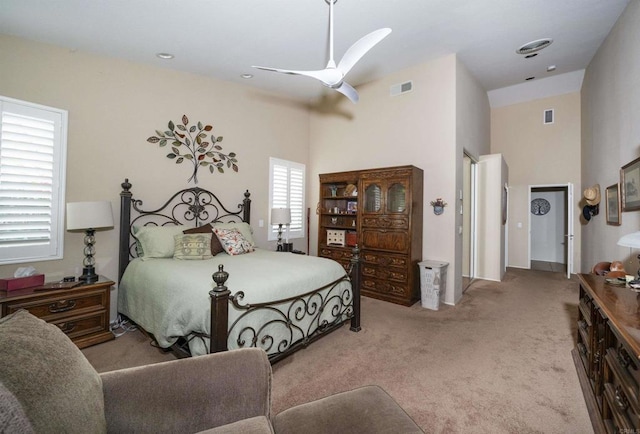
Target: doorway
[
  {"x": 551, "y": 228},
  {"x": 468, "y": 211}
]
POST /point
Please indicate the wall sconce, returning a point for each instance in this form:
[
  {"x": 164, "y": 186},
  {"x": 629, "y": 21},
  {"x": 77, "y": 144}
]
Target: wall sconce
[
  {"x": 438, "y": 206},
  {"x": 89, "y": 216}
]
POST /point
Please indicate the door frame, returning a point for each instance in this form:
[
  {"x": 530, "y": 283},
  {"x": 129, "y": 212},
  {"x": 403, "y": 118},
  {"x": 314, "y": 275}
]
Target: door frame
[
  {"x": 473, "y": 233},
  {"x": 569, "y": 235}
]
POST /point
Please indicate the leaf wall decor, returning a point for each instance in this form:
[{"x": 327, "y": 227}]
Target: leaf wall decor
[{"x": 189, "y": 144}]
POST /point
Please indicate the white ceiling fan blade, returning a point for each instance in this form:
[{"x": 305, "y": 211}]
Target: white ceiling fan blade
[
  {"x": 360, "y": 48},
  {"x": 348, "y": 91},
  {"x": 330, "y": 77}
]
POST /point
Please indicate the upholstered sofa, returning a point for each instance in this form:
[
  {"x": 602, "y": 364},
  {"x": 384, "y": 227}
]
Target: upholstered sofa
[{"x": 47, "y": 385}]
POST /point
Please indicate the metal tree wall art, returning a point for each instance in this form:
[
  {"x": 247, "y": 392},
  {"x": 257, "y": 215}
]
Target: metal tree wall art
[{"x": 189, "y": 143}]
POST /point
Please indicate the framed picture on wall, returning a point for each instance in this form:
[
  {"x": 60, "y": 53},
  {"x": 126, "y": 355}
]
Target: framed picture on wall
[
  {"x": 630, "y": 185},
  {"x": 612, "y": 198}
]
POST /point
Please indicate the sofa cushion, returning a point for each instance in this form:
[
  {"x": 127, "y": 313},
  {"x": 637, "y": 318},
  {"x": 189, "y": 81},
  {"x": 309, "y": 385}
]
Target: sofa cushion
[
  {"x": 55, "y": 384},
  {"x": 252, "y": 425},
  {"x": 366, "y": 410},
  {"x": 12, "y": 415}
]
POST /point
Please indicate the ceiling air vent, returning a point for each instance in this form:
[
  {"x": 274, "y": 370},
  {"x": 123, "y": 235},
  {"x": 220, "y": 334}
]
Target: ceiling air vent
[
  {"x": 534, "y": 46},
  {"x": 398, "y": 89}
]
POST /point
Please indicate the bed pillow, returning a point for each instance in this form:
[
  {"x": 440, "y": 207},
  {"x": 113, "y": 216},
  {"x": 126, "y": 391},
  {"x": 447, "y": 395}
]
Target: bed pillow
[
  {"x": 243, "y": 227},
  {"x": 232, "y": 240},
  {"x": 207, "y": 229},
  {"x": 192, "y": 246},
  {"x": 157, "y": 241}
]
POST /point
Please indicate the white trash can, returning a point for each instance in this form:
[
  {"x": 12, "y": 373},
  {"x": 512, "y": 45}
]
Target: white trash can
[{"x": 433, "y": 283}]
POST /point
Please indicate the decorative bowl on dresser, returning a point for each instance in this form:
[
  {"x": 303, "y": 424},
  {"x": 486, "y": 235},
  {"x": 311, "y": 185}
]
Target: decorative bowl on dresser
[{"x": 82, "y": 312}]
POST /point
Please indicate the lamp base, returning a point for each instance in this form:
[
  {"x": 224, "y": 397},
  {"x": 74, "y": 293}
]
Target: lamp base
[{"x": 89, "y": 275}]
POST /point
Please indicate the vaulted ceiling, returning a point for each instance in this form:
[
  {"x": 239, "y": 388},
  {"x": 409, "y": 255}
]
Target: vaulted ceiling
[{"x": 223, "y": 39}]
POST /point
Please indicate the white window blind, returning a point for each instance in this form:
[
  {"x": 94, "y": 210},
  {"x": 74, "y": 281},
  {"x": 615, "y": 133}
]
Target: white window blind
[
  {"x": 32, "y": 178},
  {"x": 286, "y": 190}
]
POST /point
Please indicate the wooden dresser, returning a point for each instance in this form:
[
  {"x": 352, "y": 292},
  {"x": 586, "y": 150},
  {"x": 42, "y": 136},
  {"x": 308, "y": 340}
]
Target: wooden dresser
[
  {"x": 384, "y": 219},
  {"x": 607, "y": 354},
  {"x": 82, "y": 312}
]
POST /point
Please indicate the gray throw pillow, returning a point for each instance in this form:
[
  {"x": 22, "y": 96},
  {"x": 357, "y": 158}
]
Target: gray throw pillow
[{"x": 56, "y": 385}]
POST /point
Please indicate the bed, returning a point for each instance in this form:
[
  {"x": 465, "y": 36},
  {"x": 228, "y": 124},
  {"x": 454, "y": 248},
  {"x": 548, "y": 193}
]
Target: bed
[{"x": 278, "y": 301}]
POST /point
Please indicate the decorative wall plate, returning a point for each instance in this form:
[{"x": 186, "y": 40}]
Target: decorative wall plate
[{"x": 540, "y": 206}]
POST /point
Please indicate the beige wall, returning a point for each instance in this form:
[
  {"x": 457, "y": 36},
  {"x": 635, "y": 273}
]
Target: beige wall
[
  {"x": 611, "y": 133},
  {"x": 416, "y": 128},
  {"x": 114, "y": 106},
  {"x": 537, "y": 154}
]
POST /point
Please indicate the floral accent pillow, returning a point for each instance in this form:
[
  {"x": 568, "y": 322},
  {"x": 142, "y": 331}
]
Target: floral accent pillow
[
  {"x": 192, "y": 246},
  {"x": 233, "y": 242}
]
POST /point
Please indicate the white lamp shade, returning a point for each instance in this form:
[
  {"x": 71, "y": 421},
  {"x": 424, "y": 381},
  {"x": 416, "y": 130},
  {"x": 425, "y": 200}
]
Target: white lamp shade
[
  {"x": 89, "y": 215},
  {"x": 280, "y": 216},
  {"x": 630, "y": 240}
]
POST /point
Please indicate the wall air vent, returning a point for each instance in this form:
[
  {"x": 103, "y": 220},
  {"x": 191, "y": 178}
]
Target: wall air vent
[
  {"x": 548, "y": 116},
  {"x": 399, "y": 89}
]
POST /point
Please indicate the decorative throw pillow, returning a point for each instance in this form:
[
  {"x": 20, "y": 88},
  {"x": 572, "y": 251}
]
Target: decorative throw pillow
[
  {"x": 207, "y": 229},
  {"x": 244, "y": 228},
  {"x": 157, "y": 241},
  {"x": 193, "y": 246},
  {"x": 56, "y": 385},
  {"x": 232, "y": 240}
]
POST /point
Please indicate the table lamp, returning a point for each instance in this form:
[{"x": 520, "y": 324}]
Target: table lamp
[
  {"x": 280, "y": 216},
  {"x": 631, "y": 240},
  {"x": 89, "y": 216}
]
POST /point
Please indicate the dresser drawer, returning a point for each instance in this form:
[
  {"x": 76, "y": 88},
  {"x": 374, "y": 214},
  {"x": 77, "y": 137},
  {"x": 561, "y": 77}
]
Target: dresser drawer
[
  {"x": 385, "y": 273},
  {"x": 63, "y": 305},
  {"x": 384, "y": 286},
  {"x": 384, "y": 259},
  {"x": 341, "y": 256},
  {"x": 624, "y": 370},
  {"x": 385, "y": 222},
  {"x": 78, "y": 326},
  {"x": 618, "y": 413}
]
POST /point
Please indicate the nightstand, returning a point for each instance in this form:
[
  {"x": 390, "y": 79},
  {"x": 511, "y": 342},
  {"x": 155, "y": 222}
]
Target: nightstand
[{"x": 82, "y": 312}]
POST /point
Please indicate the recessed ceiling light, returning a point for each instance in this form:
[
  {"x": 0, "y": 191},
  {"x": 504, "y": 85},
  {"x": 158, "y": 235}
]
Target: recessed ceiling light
[
  {"x": 529, "y": 56},
  {"x": 529, "y": 78},
  {"x": 165, "y": 56},
  {"x": 551, "y": 68},
  {"x": 536, "y": 45},
  {"x": 246, "y": 76}
]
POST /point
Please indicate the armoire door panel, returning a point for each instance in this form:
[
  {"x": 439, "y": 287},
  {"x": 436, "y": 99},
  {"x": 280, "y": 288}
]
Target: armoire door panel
[{"x": 391, "y": 241}]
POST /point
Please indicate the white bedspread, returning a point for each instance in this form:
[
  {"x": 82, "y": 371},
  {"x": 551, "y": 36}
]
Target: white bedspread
[{"x": 170, "y": 298}]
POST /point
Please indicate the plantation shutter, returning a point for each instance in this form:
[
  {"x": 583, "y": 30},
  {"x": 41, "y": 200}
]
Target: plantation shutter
[
  {"x": 32, "y": 145},
  {"x": 287, "y": 191}
]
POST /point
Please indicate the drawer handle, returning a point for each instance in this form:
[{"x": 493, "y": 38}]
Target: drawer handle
[
  {"x": 62, "y": 306},
  {"x": 67, "y": 327},
  {"x": 621, "y": 400},
  {"x": 624, "y": 359}
]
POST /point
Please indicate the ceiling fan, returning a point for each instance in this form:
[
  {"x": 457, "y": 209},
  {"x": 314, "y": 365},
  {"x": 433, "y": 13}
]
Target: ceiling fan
[{"x": 333, "y": 76}]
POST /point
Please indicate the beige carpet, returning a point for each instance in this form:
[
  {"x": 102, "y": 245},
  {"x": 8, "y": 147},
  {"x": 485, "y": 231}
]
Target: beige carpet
[{"x": 498, "y": 362}]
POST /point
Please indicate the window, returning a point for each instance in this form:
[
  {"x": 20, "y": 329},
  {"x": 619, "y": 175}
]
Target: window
[
  {"x": 33, "y": 144},
  {"x": 286, "y": 190}
]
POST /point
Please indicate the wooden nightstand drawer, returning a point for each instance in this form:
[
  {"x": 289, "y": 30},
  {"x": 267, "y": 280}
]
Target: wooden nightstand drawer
[
  {"x": 67, "y": 303},
  {"x": 83, "y": 325}
]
